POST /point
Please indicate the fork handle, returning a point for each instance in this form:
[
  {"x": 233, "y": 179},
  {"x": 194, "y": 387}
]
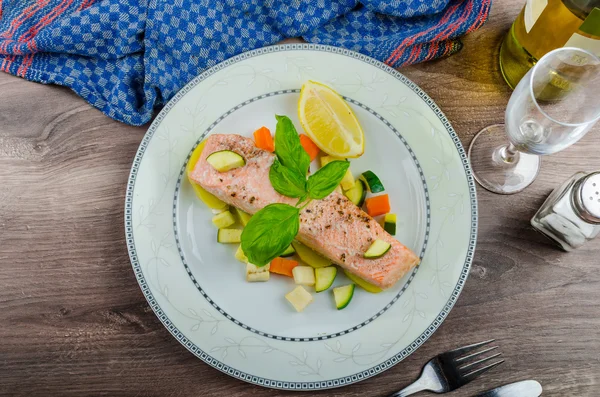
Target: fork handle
[{"x": 410, "y": 390}]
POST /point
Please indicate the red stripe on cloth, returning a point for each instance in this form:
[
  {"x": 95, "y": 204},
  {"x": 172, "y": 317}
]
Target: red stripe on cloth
[
  {"x": 25, "y": 15},
  {"x": 85, "y": 4},
  {"x": 0, "y": 9},
  {"x": 409, "y": 41},
  {"x": 48, "y": 18},
  {"x": 27, "y": 65},
  {"x": 9, "y": 62},
  {"x": 444, "y": 34},
  {"x": 483, "y": 13},
  {"x": 25, "y": 59}
]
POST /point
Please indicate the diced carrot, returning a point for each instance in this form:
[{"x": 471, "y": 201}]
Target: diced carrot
[
  {"x": 283, "y": 266},
  {"x": 309, "y": 146},
  {"x": 264, "y": 140},
  {"x": 378, "y": 205}
]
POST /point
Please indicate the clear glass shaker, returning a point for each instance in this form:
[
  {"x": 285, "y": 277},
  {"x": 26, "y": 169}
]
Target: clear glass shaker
[{"x": 570, "y": 216}]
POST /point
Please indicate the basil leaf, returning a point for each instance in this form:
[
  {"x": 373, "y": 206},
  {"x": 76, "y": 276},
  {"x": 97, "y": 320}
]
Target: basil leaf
[
  {"x": 286, "y": 181},
  {"x": 325, "y": 180},
  {"x": 269, "y": 232},
  {"x": 288, "y": 148}
]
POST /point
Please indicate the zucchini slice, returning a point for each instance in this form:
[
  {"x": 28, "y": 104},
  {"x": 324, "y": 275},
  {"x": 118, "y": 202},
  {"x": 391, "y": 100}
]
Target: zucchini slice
[
  {"x": 225, "y": 160},
  {"x": 229, "y": 236},
  {"x": 373, "y": 182},
  {"x": 324, "y": 277},
  {"x": 378, "y": 249},
  {"x": 358, "y": 193},
  {"x": 343, "y": 295},
  {"x": 362, "y": 283},
  {"x": 309, "y": 256}
]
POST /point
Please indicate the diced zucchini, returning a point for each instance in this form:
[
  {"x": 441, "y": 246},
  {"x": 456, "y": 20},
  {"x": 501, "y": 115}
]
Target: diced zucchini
[
  {"x": 240, "y": 256},
  {"x": 347, "y": 181},
  {"x": 389, "y": 224},
  {"x": 373, "y": 182},
  {"x": 358, "y": 193},
  {"x": 255, "y": 273},
  {"x": 289, "y": 251},
  {"x": 304, "y": 275},
  {"x": 225, "y": 160},
  {"x": 378, "y": 249},
  {"x": 217, "y": 211},
  {"x": 223, "y": 220},
  {"x": 299, "y": 298},
  {"x": 324, "y": 277},
  {"x": 244, "y": 217},
  {"x": 208, "y": 199},
  {"x": 338, "y": 189},
  {"x": 362, "y": 283},
  {"x": 343, "y": 295},
  {"x": 229, "y": 236},
  {"x": 309, "y": 256}
]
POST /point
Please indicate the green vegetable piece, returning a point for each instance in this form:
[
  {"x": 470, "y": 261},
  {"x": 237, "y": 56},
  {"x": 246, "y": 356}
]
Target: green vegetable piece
[
  {"x": 358, "y": 193},
  {"x": 270, "y": 232},
  {"x": 324, "y": 277},
  {"x": 373, "y": 182},
  {"x": 225, "y": 160},
  {"x": 378, "y": 249},
  {"x": 389, "y": 224},
  {"x": 343, "y": 295}
]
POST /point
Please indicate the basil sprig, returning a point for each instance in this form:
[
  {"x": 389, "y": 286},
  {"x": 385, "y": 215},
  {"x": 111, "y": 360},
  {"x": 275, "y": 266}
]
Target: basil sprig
[{"x": 272, "y": 229}]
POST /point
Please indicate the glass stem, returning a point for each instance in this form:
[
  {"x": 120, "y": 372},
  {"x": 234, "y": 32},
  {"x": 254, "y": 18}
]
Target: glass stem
[{"x": 507, "y": 154}]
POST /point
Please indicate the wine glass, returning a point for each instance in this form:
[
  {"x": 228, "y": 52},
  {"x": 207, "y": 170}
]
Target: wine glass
[{"x": 552, "y": 107}]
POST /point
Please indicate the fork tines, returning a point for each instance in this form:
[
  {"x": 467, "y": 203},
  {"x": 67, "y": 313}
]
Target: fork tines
[{"x": 467, "y": 368}]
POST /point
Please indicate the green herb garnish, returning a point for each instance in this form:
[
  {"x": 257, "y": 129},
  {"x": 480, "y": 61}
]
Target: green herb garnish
[{"x": 271, "y": 230}]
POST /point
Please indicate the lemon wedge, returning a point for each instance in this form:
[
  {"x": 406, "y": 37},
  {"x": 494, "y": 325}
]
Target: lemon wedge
[{"x": 329, "y": 121}]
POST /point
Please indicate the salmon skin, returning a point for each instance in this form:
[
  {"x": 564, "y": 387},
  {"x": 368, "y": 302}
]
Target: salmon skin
[{"x": 333, "y": 226}]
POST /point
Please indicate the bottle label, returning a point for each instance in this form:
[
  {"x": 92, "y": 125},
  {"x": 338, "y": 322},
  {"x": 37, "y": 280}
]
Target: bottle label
[
  {"x": 588, "y": 35},
  {"x": 533, "y": 10}
]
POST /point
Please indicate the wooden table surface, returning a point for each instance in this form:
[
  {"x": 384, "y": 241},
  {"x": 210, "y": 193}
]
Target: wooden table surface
[{"x": 73, "y": 320}]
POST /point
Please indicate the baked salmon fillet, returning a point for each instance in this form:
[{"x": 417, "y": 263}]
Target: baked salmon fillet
[{"x": 333, "y": 226}]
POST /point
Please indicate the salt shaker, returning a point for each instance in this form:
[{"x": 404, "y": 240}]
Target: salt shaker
[{"x": 570, "y": 216}]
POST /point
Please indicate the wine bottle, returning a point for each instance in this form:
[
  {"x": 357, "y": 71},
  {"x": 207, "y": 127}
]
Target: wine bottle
[{"x": 544, "y": 25}]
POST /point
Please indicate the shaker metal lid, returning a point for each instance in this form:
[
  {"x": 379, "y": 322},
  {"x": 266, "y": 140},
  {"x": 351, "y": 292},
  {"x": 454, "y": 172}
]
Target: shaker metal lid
[{"x": 590, "y": 197}]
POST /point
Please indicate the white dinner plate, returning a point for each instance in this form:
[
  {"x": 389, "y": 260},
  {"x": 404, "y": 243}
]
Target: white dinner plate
[{"x": 248, "y": 330}]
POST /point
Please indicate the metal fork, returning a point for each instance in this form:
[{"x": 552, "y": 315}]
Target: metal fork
[{"x": 451, "y": 370}]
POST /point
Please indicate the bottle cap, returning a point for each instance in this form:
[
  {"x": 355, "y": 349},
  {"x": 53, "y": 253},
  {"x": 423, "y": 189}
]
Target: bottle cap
[{"x": 587, "y": 197}]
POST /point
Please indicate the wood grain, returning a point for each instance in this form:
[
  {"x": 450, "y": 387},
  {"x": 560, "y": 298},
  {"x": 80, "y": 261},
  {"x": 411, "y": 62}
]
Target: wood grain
[{"x": 73, "y": 320}]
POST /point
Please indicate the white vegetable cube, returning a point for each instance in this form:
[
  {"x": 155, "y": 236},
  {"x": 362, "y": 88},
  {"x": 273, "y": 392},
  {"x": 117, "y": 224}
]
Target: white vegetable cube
[
  {"x": 256, "y": 273},
  {"x": 348, "y": 181},
  {"x": 223, "y": 220},
  {"x": 304, "y": 275},
  {"x": 299, "y": 298},
  {"x": 240, "y": 256},
  {"x": 338, "y": 189}
]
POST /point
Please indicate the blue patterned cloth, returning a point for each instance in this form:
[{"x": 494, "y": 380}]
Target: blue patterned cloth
[{"x": 128, "y": 57}]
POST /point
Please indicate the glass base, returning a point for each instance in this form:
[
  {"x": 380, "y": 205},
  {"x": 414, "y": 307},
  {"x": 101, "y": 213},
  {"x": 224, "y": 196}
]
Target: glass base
[{"x": 493, "y": 167}]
